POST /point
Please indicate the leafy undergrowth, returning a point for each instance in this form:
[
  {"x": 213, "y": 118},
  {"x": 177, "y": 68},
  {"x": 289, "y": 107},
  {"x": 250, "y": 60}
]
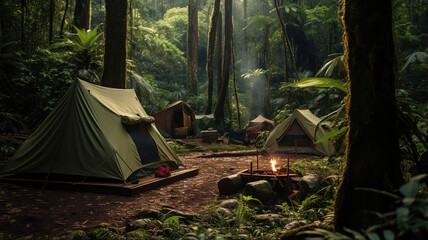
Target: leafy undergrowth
[
  {"x": 241, "y": 221},
  {"x": 238, "y": 222},
  {"x": 323, "y": 167}
]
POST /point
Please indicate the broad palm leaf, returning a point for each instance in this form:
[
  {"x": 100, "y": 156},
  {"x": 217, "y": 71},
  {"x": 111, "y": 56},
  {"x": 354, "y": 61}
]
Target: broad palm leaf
[
  {"x": 142, "y": 87},
  {"x": 317, "y": 82},
  {"x": 416, "y": 57},
  {"x": 333, "y": 68}
]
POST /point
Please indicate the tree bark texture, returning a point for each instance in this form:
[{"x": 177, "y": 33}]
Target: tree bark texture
[
  {"x": 244, "y": 2},
  {"x": 114, "y": 73},
  {"x": 82, "y": 14},
  {"x": 219, "y": 50},
  {"x": 131, "y": 29},
  {"x": 372, "y": 154},
  {"x": 210, "y": 54},
  {"x": 227, "y": 55},
  {"x": 192, "y": 48}
]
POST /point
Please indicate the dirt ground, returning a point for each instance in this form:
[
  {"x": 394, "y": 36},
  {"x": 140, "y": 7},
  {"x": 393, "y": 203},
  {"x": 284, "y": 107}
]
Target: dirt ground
[{"x": 28, "y": 211}]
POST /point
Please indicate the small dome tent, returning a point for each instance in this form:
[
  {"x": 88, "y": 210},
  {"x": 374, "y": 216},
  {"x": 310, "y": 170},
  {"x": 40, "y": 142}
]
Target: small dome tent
[
  {"x": 94, "y": 131},
  {"x": 260, "y": 123},
  {"x": 298, "y": 131}
]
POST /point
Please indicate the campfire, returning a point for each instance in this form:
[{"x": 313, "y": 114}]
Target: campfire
[
  {"x": 276, "y": 171},
  {"x": 273, "y": 166}
]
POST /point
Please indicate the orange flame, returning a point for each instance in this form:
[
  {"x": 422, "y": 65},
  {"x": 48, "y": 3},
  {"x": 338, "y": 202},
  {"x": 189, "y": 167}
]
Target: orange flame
[{"x": 273, "y": 165}]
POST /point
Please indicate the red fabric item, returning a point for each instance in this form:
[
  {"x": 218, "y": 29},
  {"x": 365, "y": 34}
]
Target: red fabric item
[{"x": 163, "y": 171}]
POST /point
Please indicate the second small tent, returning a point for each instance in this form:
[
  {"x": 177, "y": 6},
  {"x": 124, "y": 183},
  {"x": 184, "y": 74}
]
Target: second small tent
[
  {"x": 176, "y": 120},
  {"x": 297, "y": 133}
]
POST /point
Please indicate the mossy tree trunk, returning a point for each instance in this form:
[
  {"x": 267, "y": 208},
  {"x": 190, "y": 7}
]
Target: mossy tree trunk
[
  {"x": 210, "y": 54},
  {"x": 219, "y": 50},
  {"x": 82, "y": 14},
  {"x": 114, "y": 73},
  {"x": 372, "y": 155},
  {"x": 227, "y": 57},
  {"x": 192, "y": 48}
]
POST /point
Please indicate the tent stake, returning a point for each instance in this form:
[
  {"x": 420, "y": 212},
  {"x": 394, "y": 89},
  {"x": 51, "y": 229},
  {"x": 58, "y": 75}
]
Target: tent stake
[{"x": 257, "y": 158}]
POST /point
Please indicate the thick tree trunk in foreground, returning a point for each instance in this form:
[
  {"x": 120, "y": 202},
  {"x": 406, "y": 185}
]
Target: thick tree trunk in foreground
[
  {"x": 210, "y": 54},
  {"x": 192, "y": 48},
  {"x": 227, "y": 56},
  {"x": 82, "y": 14},
  {"x": 372, "y": 155},
  {"x": 114, "y": 73}
]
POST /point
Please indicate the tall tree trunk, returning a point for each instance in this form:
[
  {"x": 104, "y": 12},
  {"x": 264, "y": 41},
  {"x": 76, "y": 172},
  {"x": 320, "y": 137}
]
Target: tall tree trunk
[
  {"x": 61, "y": 31},
  {"x": 235, "y": 88},
  {"x": 372, "y": 154},
  {"x": 114, "y": 73},
  {"x": 228, "y": 31},
  {"x": 82, "y": 14},
  {"x": 267, "y": 106},
  {"x": 219, "y": 50},
  {"x": 131, "y": 30},
  {"x": 285, "y": 58},
  {"x": 210, "y": 54},
  {"x": 263, "y": 52},
  {"x": 51, "y": 17},
  {"x": 285, "y": 37},
  {"x": 192, "y": 48},
  {"x": 245, "y": 33}
]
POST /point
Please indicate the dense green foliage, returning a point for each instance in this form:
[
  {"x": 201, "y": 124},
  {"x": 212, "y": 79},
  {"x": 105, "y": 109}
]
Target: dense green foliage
[{"x": 157, "y": 53}]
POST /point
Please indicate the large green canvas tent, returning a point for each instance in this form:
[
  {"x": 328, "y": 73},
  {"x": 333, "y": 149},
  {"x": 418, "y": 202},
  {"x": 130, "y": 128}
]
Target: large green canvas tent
[
  {"x": 97, "y": 132},
  {"x": 298, "y": 131}
]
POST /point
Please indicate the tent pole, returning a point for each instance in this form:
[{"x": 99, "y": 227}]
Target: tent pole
[{"x": 257, "y": 158}]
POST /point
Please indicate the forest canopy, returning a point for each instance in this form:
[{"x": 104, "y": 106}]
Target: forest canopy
[{"x": 42, "y": 52}]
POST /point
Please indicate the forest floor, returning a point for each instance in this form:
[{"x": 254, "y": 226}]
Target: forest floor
[{"x": 30, "y": 211}]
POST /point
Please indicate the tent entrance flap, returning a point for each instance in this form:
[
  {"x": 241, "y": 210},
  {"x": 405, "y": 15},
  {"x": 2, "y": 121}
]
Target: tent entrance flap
[
  {"x": 177, "y": 119},
  {"x": 295, "y": 136},
  {"x": 146, "y": 146}
]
